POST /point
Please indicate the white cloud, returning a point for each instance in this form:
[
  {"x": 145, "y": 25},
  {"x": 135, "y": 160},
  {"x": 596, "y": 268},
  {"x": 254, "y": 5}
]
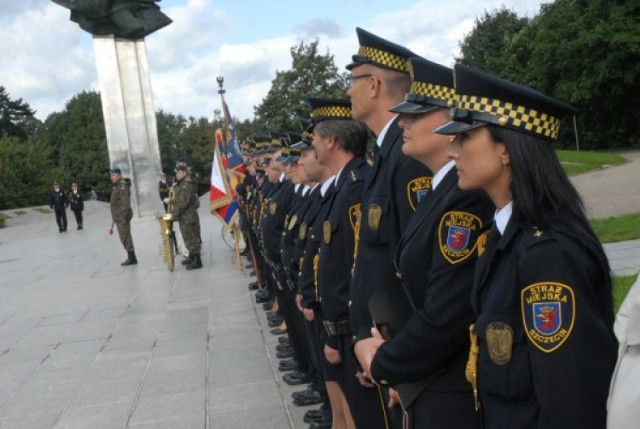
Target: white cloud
[{"x": 52, "y": 58}]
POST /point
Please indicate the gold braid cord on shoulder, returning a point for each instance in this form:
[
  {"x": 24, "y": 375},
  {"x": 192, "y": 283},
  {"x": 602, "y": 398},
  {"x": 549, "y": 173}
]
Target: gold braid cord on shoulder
[{"x": 471, "y": 371}]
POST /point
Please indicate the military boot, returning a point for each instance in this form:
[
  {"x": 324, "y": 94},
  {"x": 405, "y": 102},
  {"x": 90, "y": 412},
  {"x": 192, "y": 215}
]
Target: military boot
[
  {"x": 131, "y": 259},
  {"x": 196, "y": 263}
]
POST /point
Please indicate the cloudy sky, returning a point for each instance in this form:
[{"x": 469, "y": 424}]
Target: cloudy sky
[{"x": 47, "y": 59}]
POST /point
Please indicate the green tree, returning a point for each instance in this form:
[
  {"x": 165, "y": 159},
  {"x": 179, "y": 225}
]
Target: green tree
[
  {"x": 486, "y": 46},
  {"x": 587, "y": 52},
  {"x": 16, "y": 117},
  {"x": 312, "y": 75},
  {"x": 79, "y": 144},
  {"x": 25, "y": 169}
]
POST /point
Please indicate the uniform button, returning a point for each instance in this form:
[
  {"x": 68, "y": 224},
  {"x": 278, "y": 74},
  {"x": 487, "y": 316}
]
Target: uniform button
[
  {"x": 350, "y": 303},
  {"x": 384, "y": 382}
]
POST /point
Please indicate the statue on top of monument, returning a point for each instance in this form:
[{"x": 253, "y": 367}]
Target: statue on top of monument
[{"x": 126, "y": 19}]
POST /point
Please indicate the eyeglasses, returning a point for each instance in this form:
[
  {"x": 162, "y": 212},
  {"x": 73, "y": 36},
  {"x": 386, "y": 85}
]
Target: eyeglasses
[{"x": 349, "y": 79}]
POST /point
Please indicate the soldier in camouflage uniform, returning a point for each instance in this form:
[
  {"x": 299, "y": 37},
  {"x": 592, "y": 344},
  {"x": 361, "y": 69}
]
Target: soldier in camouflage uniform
[
  {"x": 122, "y": 214},
  {"x": 184, "y": 209}
]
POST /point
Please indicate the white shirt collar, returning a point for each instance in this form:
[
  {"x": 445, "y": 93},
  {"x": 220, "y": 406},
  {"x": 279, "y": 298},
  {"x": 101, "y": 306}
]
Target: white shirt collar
[
  {"x": 326, "y": 184},
  {"x": 383, "y": 133},
  {"x": 338, "y": 176},
  {"x": 502, "y": 217},
  {"x": 437, "y": 178},
  {"x": 281, "y": 177}
]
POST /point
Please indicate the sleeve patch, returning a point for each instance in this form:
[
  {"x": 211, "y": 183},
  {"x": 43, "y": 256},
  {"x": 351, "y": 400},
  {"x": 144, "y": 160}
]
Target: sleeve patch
[
  {"x": 458, "y": 233},
  {"x": 548, "y": 314},
  {"x": 417, "y": 189}
]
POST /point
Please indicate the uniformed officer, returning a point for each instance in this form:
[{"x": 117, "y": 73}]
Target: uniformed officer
[
  {"x": 58, "y": 202},
  {"x": 184, "y": 210},
  {"x": 121, "y": 213},
  {"x": 427, "y": 344},
  {"x": 542, "y": 289},
  {"x": 340, "y": 144},
  {"x": 379, "y": 79},
  {"x": 76, "y": 203}
]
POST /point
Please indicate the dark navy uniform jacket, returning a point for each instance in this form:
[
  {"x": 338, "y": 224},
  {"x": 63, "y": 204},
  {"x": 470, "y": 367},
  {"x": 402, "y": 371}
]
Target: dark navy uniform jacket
[
  {"x": 436, "y": 260},
  {"x": 337, "y": 233},
  {"x": 390, "y": 197},
  {"x": 276, "y": 209},
  {"x": 311, "y": 233},
  {"x": 544, "y": 322}
]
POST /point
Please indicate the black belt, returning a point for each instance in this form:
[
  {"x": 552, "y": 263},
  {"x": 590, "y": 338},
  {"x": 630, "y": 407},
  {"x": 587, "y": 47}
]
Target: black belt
[{"x": 337, "y": 328}]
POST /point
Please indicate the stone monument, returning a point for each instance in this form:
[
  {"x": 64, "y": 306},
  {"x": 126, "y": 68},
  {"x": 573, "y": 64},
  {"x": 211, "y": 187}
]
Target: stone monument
[{"x": 118, "y": 28}]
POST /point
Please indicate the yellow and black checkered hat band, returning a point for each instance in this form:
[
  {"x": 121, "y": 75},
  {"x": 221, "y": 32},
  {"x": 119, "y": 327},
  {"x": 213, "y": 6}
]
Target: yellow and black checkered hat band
[
  {"x": 307, "y": 136},
  {"x": 508, "y": 114},
  {"x": 385, "y": 58},
  {"x": 432, "y": 90},
  {"x": 332, "y": 112},
  {"x": 276, "y": 142}
]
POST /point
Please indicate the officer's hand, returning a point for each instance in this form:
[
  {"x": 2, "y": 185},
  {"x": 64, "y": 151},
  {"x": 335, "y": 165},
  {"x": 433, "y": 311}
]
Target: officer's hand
[
  {"x": 366, "y": 350},
  {"x": 308, "y": 314},
  {"x": 394, "y": 398},
  {"x": 364, "y": 380},
  {"x": 299, "y": 303},
  {"x": 332, "y": 355},
  {"x": 279, "y": 285}
]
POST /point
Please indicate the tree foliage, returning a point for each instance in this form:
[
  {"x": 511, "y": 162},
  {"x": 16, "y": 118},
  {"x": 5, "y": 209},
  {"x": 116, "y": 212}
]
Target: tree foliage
[
  {"x": 311, "y": 75},
  {"x": 585, "y": 52},
  {"x": 16, "y": 117},
  {"x": 78, "y": 142}
]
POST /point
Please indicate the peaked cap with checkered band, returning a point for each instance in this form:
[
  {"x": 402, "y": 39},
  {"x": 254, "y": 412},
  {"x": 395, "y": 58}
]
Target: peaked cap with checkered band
[
  {"x": 379, "y": 52},
  {"x": 431, "y": 88},
  {"x": 483, "y": 99},
  {"x": 323, "y": 109}
]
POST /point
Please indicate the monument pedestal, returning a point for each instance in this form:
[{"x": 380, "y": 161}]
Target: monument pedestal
[{"x": 129, "y": 117}]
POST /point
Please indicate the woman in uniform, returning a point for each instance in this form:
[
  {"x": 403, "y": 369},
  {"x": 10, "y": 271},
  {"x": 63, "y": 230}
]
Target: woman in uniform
[
  {"x": 423, "y": 347},
  {"x": 542, "y": 288}
]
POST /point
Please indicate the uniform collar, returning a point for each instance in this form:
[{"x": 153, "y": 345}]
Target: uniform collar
[
  {"x": 502, "y": 217},
  {"x": 383, "y": 133},
  {"x": 437, "y": 178}
]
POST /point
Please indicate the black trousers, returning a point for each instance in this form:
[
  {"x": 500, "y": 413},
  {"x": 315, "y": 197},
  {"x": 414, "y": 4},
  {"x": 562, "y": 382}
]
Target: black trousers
[
  {"x": 61, "y": 217},
  {"x": 78, "y": 215}
]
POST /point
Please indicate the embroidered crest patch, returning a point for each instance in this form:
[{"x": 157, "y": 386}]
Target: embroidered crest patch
[
  {"x": 548, "y": 313},
  {"x": 499, "y": 337},
  {"x": 292, "y": 222},
  {"x": 417, "y": 189},
  {"x": 458, "y": 235},
  {"x": 482, "y": 242},
  {"x": 374, "y": 215},
  {"x": 273, "y": 208}
]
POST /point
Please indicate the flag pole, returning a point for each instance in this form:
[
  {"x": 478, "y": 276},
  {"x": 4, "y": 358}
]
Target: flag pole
[{"x": 233, "y": 229}]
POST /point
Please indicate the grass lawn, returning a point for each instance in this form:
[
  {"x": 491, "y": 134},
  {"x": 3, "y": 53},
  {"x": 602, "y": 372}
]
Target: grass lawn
[
  {"x": 621, "y": 286},
  {"x": 576, "y": 162},
  {"x": 621, "y": 228}
]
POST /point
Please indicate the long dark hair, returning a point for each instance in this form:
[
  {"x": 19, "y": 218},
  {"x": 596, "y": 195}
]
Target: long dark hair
[{"x": 542, "y": 194}]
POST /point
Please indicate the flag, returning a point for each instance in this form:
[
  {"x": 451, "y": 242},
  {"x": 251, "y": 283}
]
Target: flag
[{"x": 227, "y": 170}]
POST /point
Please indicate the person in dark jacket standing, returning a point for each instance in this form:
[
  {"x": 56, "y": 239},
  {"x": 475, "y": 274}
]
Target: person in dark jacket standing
[
  {"x": 121, "y": 213},
  {"x": 58, "y": 202},
  {"x": 76, "y": 202},
  {"x": 184, "y": 210},
  {"x": 425, "y": 357},
  {"x": 545, "y": 348}
]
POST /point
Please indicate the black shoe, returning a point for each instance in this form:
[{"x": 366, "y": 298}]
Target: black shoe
[
  {"x": 252, "y": 273},
  {"x": 245, "y": 252},
  {"x": 187, "y": 260},
  {"x": 312, "y": 398},
  {"x": 278, "y": 331},
  {"x": 287, "y": 365},
  {"x": 283, "y": 340},
  {"x": 325, "y": 423},
  {"x": 285, "y": 354},
  {"x": 80, "y": 227},
  {"x": 316, "y": 415},
  {"x": 196, "y": 263},
  {"x": 275, "y": 322},
  {"x": 254, "y": 286},
  {"x": 302, "y": 393},
  {"x": 283, "y": 347},
  {"x": 263, "y": 299},
  {"x": 296, "y": 378},
  {"x": 249, "y": 266},
  {"x": 131, "y": 259},
  {"x": 61, "y": 231},
  {"x": 268, "y": 305}
]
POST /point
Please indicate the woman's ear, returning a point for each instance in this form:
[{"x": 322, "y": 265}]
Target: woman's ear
[{"x": 504, "y": 155}]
